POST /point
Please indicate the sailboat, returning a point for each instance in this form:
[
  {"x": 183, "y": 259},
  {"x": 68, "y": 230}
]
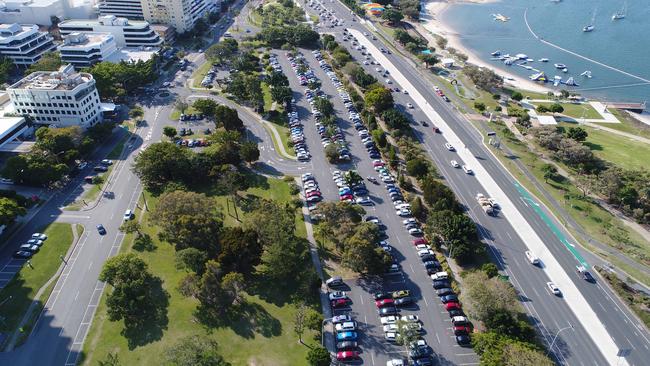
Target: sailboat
[
  {"x": 621, "y": 13},
  {"x": 590, "y": 27}
]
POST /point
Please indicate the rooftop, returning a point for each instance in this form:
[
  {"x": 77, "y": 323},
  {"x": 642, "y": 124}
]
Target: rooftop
[
  {"x": 132, "y": 54},
  {"x": 77, "y": 39},
  {"x": 108, "y": 20},
  {"x": 11, "y": 30},
  {"x": 63, "y": 79}
]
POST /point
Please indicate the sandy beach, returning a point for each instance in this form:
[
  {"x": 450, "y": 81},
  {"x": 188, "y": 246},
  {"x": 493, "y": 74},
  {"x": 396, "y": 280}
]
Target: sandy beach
[{"x": 432, "y": 21}]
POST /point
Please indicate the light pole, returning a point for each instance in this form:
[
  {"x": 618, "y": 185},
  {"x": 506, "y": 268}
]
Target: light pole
[{"x": 550, "y": 349}]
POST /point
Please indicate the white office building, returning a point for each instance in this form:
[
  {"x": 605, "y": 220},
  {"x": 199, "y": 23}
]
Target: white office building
[
  {"x": 127, "y": 33},
  {"x": 24, "y": 44},
  {"x": 42, "y": 12},
  {"x": 62, "y": 98},
  {"x": 131, "y": 9},
  {"x": 87, "y": 49},
  {"x": 181, "y": 14}
]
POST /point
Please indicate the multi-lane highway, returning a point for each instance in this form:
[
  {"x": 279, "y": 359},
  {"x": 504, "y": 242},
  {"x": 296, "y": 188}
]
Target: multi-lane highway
[{"x": 549, "y": 313}]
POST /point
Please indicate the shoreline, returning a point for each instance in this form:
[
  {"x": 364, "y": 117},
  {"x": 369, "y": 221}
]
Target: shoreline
[{"x": 431, "y": 19}]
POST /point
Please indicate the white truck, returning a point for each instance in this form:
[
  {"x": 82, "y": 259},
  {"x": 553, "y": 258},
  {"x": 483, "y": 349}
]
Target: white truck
[{"x": 487, "y": 204}]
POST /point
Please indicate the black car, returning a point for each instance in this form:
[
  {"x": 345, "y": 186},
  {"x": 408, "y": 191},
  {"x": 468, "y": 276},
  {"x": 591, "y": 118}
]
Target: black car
[
  {"x": 419, "y": 352},
  {"x": 347, "y": 346},
  {"x": 101, "y": 230},
  {"x": 444, "y": 291},
  {"x": 22, "y": 254},
  {"x": 456, "y": 312},
  {"x": 382, "y": 295},
  {"x": 431, "y": 264},
  {"x": 100, "y": 168},
  {"x": 402, "y": 301},
  {"x": 428, "y": 258},
  {"x": 388, "y": 310},
  {"x": 449, "y": 298},
  {"x": 438, "y": 284},
  {"x": 463, "y": 339},
  {"x": 425, "y": 361}
]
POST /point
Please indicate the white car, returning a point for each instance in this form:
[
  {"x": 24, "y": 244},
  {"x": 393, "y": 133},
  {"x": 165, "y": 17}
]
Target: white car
[
  {"x": 409, "y": 221},
  {"x": 532, "y": 258},
  {"x": 405, "y": 91},
  {"x": 424, "y": 252},
  {"x": 390, "y": 328},
  {"x": 388, "y": 81},
  {"x": 341, "y": 319},
  {"x": 391, "y": 319},
  {"x": 449, "y": 147},
  {"x": 391, "y": 336},
  {"x": 378, "y": 69},
  {"x": 410, "y": 318},
  {"x": 467, "y": 170},
  {"x": 455, "y": 164},
  {"x": 366, "y": 63},
  {"x": 128, "y": 215},
  {"x": 39, "y": 236},
  {"x": 422, "y": 247},
  {"x": 409, "y": 105},
  {"x": 337, "y": 295},
  {"x": 554, "y": 289},
  {"x": 364, "y": 201},
  {"x": 345, "y": 327},
  {"x": 440, "y": 276},
  {"x": 395, "y": 362}
]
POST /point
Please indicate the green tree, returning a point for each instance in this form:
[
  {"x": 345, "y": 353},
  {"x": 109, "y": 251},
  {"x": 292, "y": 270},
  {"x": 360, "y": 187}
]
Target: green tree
[
  {"x": 318, "y": 356},
  {"x": 299, "y": 322},
  {"x": 170, "y": 132},
  {"x": 276, "y": 79},
  {"x": 136, "y": 112},
  {"x": 352, "y": 178},
  {"x": 392, "y": 16},
  {"x": 556, "y": 108},
  {"x": 517, "y": 96},
  {"x": 207, "y": 107},
  {"x": 6, "y": 67},
  {"x": 395, "y": 119},
  {"x": 379, "y": 98},
  {"x": 111, "y": 359},
  {"x": 313, "y": 320},
  {"x": 9, "y": 210},
  {"x": 331, "y": 153},
  {"x": 490, "y": 269},
  {"x": 324, "y": 106},
  {"x": 222, "y": 51},
  {"x": 249, "y": 152},
  {"x": 50, "y": 61},
  {"x": 549, "y": 171},
  {"x": 411, "y": 8},
  {"x": 194, "y": 350},
  {"x": 228, "y": 118},
  {"x": 429, "y": 59},
  {"x": 541, "y": 109},
  {"x": 281, "y": 94},
  {"x": 418, "y": 209},
  {"x": 480, "y": 106},
  {"x": 131, "y": 227},
  {"x": 161, "y": 163},
  {"x": 192, "y": 259},
  {"x": 486, "y": 295},
  {"x": 240, "y": 252},
  {"x": 577, "y": 133},
  {"x": 181, "y": 105},
  {"x": 417, "y": 167}
]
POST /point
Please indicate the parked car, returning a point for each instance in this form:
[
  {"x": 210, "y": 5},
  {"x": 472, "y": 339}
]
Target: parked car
[
  {"x": 334, "y": 281},
  {"x": 22, "y": 254},
  {"x": 101, "y": 230},
  {"x": 347, "y": 345},
  {"x": 341, "y": 318}
]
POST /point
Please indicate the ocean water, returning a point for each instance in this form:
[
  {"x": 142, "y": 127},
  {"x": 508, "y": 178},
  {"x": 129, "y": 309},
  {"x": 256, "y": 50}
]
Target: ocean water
[{"x": 616, "y": 52}]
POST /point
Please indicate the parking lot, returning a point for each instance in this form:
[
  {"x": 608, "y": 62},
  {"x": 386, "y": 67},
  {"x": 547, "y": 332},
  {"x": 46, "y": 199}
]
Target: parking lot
[{"x": 412, "y": 275}]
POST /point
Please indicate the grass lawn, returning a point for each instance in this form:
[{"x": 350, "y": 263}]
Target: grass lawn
[
  {"x": 199, "y": 74},
  {"x": 26, "y": 283},
  {"x": 277, "y": 118},
  {"x": 592, "y": 218},
  {"x": 176, "y": 113},
  {"x": 628, "y": 124},
  {"x": 575, "y": 110},
  {"x": 263, "y": 336},
  {"x": 622, "y": 151}
]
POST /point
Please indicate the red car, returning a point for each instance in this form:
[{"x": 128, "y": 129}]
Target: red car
[
  {"x": 339, "y": 303},
  {"x": 346, "y": 197},
  {"x": 378, "y": 163},
  {"x": 452, "y": 306},
  {"x": 419, "y": 241},
  {"x": 347, "y": 355},
  {"x": 314, "y": 193},
  {"x": 435, "y": 129},
  {"x": 384, "y": 302},
  {"x": 462, "y": 329}
]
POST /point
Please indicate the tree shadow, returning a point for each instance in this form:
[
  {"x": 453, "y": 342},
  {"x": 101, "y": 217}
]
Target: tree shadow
[
  {"x": 592, "y": 146},
  {"x": 245, "y": 319},
  {"x": 153, "y": 319},
  {"x": 144, "y": 242}
]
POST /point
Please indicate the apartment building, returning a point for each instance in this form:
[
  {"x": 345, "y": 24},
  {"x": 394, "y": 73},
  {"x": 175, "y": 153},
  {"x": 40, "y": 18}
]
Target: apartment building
[
  {"x": 181, "y": 14},
  {"x": 43, "y": 12},
  {"x": 62, "y": 98},
  {"x": 87, "y": 49},
  {"x": 24, "y": 44},
  {"x": 130, "y": 9},
  {"x": 127, "y": 33}
]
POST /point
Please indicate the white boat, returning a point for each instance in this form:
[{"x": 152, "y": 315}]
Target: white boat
[
  {"x": 521, "y": 56},
  {"x": 530, "y": 60},
  {"x": 528, "y": 67},
  {"x": 571, "y": 82},
  {"x": 543, "y": 59},
  {"x": 590, "y": 27},
  {"x": 559, "y": 66},
  {"x": 500, "y": 17},
  {"x": 621, "y": 13},
  {"x": 586, "y": 74},
  {"x": 565, "y": 70},
  {"x": 556, "y": 80},
  {"x": 496, "y": 53}
]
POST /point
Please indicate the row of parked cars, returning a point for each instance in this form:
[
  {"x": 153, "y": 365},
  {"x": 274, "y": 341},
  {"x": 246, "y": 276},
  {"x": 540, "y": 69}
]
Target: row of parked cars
[
  {"x": 209, "y": 77},
  {"x": 296, "y": 127},
  {"x": 353, "y": 192},
  {"x": 310, "y": 189},
  {"x": 345, "y": 327},
  {"x": 31, "y": 247},
  {"x": 191, "y": 117}
]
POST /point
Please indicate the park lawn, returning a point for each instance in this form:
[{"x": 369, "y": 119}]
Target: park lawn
[
  {"x": 264, "y": 337},
  {"x": 628, "y": 124},
  {"x": 176, "y": 113},
  {"x": 577, "y": 111},
  {"x": 619, "y": 150},
  {"x": 22, "y": 289},
  {"x": 199, "y": 74},
  {"x": 596, "y": 221}
]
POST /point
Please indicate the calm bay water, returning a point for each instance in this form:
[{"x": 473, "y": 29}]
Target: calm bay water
[{"x": 622, "y": 44}]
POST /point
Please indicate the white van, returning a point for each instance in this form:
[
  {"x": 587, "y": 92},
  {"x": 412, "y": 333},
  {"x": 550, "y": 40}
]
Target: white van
[
  {"x": 439, "y": 276},
  {"x": 531, "y": 257},
  {"x": 227, "y": 35}
]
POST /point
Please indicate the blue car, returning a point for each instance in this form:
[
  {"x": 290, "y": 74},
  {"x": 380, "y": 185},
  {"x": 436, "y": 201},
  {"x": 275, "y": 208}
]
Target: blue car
[{"x": 346, "y": 336}]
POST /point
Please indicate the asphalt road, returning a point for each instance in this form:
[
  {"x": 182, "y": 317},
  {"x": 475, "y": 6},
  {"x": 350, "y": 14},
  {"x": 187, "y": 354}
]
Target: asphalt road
[{"x": 549, "y": 313}]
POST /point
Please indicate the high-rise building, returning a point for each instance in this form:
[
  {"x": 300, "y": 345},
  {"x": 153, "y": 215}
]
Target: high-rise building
[
  {"x": 131, "y": 9},
  {"x": 87, "y": 49},
  {"x": 44, "y": 12},
  {"x": 127, "y": 33},
  {"x": 61, "y": 98},
  {"x": 24, "y": 44},
  {"x": 182, "y": 14}
]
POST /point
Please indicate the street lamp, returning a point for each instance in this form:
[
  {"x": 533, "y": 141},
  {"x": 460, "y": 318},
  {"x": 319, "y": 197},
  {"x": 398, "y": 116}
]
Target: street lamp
[{"x": 555, "y": 338}]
